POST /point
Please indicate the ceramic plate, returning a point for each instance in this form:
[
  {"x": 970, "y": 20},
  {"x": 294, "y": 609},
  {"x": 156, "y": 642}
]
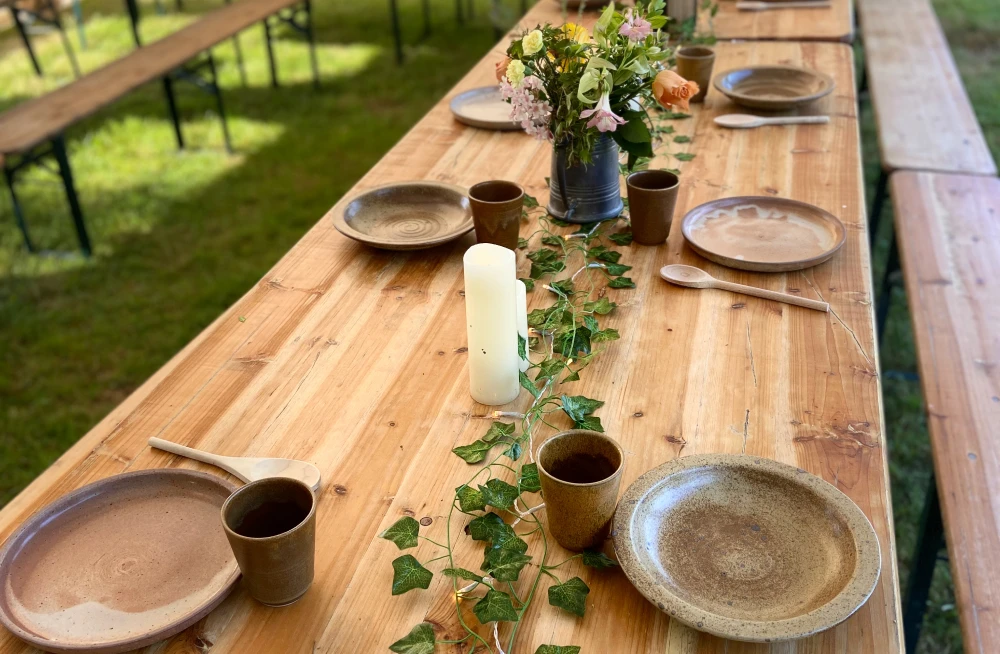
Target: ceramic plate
[
  {"x": 119, "y": 564},
  {"x": 407, "y": 216},
  {"x": 484, "y": 108},
  {"x": 746, "y": 548},
  {"x": 773, "y": 87},
  {"x": 763, "y": 234}
]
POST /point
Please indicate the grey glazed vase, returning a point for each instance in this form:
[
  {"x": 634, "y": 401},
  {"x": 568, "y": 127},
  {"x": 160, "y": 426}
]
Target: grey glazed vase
[{"x": 586, "y": 193}]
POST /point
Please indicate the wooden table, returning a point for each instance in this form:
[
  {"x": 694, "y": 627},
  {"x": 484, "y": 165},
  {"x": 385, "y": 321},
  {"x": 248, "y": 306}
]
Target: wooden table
[
  {"x": 355, "y": 359},
  {"x": 835, "y": 23}
]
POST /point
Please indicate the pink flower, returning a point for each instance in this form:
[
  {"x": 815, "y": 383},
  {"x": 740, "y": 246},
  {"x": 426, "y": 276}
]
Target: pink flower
[
  {"x": 635, "y": 28},
  {"x": 602, "y": 117}
]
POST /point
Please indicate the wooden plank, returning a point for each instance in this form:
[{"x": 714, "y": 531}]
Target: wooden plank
[
  {"x": 950, "y": 254},
  {"x": 834, "y": 23},
  {"x": 925, "y": 120},
  {"x": 354, "y": 359},
  {"x": 35, "y": 121}
]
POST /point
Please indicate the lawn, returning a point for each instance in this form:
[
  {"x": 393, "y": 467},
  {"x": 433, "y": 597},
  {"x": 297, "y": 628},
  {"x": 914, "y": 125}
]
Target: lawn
[{"x": 179, "y": 235}]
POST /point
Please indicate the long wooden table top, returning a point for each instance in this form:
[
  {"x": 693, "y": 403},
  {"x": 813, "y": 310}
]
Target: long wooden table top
[
  {"x": 35, "y": 121},
  {"x": 949, "y": 241},
  {"x": 834, "y": 23},
  {"x": 354, "y": 358},
  {"x": 920, "y": 127}
]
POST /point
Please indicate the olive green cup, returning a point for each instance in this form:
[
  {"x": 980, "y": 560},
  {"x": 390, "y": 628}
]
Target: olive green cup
[
  {"x": 277, "y": 568},
  {"x": 695, "y": 63},
  {"x": 496, "y": 212},
  {"x": 579, "y": 512},
  {"x": 652, "y": 196}
]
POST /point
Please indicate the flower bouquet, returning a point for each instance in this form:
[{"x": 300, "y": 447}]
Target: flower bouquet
[{"x": 587, "y": 95}]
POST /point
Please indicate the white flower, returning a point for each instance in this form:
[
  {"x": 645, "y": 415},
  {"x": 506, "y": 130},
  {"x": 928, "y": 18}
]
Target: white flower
[
  {"x": 515, "y": 73},
  {"x": 532, "y": 42},
  {"x": 602, "y": 117}
]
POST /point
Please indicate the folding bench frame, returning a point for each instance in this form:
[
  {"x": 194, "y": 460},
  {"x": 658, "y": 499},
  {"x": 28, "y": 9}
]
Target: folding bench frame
[{"x": 53, "y": 21}]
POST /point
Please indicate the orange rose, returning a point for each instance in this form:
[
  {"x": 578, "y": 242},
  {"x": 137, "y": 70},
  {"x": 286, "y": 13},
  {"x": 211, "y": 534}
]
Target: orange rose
[
  {"x": 669, "y": 88},
  {"x": 501, "y": 68}
]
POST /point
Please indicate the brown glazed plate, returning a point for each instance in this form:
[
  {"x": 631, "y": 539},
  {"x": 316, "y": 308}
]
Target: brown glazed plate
[
  {"x": 773, "y": 87},
  {"x": 407, "y": 216},
  {"x": 746, "y": 548},
  {"x": 763, "y": 234},
  {"x": 483, "y": 108},
  {"x": 119, "y": 564}
]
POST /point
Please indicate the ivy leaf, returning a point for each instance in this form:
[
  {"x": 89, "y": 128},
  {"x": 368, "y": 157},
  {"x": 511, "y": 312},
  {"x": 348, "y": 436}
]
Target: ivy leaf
[
  {"x": 590, "y": 322},
  {"x": 514, "y": 451},
  {"x": 420, "y": 640},
  {"x": 522, "y": 347},
  {"x": 499, "y": 493},
  {"x": 486, "y": 527},
  {"x": 521, "y": 243},
  {"x": 599, "y": 560},
  {"x": 557, "y": 649},
  {"x": 553, "y": 240},
  {"x": 673, "y": 115},
  {"x": 549, "y": 368},
  {"x": 572, "y": 377},
  {"x": 682, "y": 139},
  {"x": 528, "y": 480},
  {"x": 570, "y": 596},
  {"x": 505, "y": 565},
  {"x": 593, "y": 423},
  {"x": 621, "y": 282},
  {"x": 529, "y": 201},
  {"x": 462, "y": 573},
  {"x": 563, "y": 288},
  {"x": 409, "y": 574},
  {"x": 529, "y": 283},
  {"x": 537, "y": 317},
  {"x": 505, "y": 538},
  {"x": 558, "y": 222},
  {"x": 473, "y": 452},
  {"x": 615, "y": 269},
  {"x": 403, "y": 532},
  {"x": 604, "y": 254},
  {"x": 664, "y": 129},
  {"x": 526, "y": 383},
  {"x": 544, "y": 261},
  {"x": 469, "y": 499},
  {"x": 578, "y": 407},
  {"x": 605, "y": 335},
  {"x": 495, "y": 606},
  {"x": 621, "y": 238},
  {"x": 498, "y": 430},
  {"x": 684, "y": 156},
  {"x": 602, "y": 307},
  {"x": 571, "y": 340}
]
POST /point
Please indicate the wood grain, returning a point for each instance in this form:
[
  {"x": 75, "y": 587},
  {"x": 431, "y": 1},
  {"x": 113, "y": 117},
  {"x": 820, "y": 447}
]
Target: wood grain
[
  {"x": 354, "y": 359},
  {"x": 949, "y": 242},
  {"x": 924, "y": 119},
  {"x": 37, "y": 120},
  {"x": 834, "y": 23}
]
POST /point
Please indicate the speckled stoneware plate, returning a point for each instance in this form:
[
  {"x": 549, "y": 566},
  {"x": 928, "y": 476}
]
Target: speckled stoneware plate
[
  {"x": 763, "y": 234},
  {"x": 746, "y": 548},
  {"x": 407, "y": 216},
  {"x": 773, "y": 87},
  {"x": 483, "y": 108},
  {"x": 119, "y": 564}
]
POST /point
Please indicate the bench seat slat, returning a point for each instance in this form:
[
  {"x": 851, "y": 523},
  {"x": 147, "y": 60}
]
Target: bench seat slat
[{"x": 949, "y": 244}]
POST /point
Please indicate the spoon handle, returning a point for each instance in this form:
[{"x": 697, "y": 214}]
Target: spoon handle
[
  {"x": 197, "y": 455},
  {"x": 760, "y": 6},
  {"x": 773, "y": 295},
  {"x": 796, "y": 120}
]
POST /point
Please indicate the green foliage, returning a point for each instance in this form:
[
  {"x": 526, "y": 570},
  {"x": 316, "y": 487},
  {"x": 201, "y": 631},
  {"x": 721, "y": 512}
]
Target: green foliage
[
  {"x": 621, "y": 282},
  {"x": 528, "y": 480},
  {"x": 420, "y": 640},
  {"x": 598, "y": 560},
  {"x": 570, "y": 596},
  {"x": 499, "y": 494},
  {"x": 495, "y": 606},
  {"x": 603, "y": 306},
  {"x": 403, "y": 532},
  {"x": 499, "y": 430},
  {"x": 557, "y": 649},
  {"x": 684, "y": 156},
  {"x": 504, "y": 564},
  {"x": 408, "y": 574},
  {"x": 473, "y": 452},
  {"x": 486, "y": 527},
  {"x": 462, "y": 573},
  {"x": 469, "y": 499},
  {"x": 578, "y": 407},
  {"x": 544, "y": 262}
]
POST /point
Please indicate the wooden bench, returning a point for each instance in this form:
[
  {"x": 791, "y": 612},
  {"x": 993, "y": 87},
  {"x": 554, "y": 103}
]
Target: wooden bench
[
  {"x": 33, "y": 130},
  {"x": 924, "y": 118},
  {"x": 950, "y": 256}
]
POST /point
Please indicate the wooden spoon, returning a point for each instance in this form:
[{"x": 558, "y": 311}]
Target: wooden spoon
[
  {"x": 748, "y": 5},
  {"x": 744, "y": 121},
  {"x": 246, "y": 468},
  {"x": 697, "y": 278}
]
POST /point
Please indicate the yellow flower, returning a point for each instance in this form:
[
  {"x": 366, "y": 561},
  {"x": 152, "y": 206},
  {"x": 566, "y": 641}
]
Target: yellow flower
[
  {"x": 515, "y": 73},
  {"x": 576, "y": 33},
  {"x": 532, "y": 42}
]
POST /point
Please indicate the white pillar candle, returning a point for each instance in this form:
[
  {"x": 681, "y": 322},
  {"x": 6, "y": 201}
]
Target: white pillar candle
[
  {"x": 521, "y": 296},
  {"x": 491, "y": 317}
]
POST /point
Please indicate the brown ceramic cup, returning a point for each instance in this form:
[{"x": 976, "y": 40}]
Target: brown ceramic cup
[
  {"x": 695, "y": 63},
  {"x": 496, "y": 212},
  {"x": 271, "y": 526},
  {"x": 581, "y": 472},
  {"x": 652, "y": 195}
]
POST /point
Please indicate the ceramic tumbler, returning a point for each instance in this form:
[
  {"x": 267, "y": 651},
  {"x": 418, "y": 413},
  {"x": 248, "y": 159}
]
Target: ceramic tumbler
[
  {"x": 652, "y": 195},
  {"x": 581, "y": 474},
  {"x": 695, "y": 63},
  {"x": 271, "y": 527},
  {"x": 496, "y": 212}
]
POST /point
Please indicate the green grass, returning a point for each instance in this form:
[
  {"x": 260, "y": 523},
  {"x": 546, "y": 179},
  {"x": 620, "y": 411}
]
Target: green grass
[{"x": 180, "y": 235}]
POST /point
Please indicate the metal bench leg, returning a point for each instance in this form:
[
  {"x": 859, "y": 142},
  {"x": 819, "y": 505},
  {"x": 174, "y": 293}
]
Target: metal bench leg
[
  {"x": 132, "y": 8},
  {"x": 168, "y": 89},
  {"x": 311, "y": 37},
  {"x": 396, "y": 35},
  {"x": 18, "y": 212},
  {"x": 918, "y": 587},
  {"x": 25, "y": 39},
  {"x": 57, "y": 21},
  {"x": 885, "y": 293},
  {"x": 218, "y": 100},
  {"x": 59, "y": 150},
  {"x": 78, "y": 17},
  {"x": 881, "y": 190},
  {"x": 426, "y": 6},
  {"x": 270, "y": 52}
]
